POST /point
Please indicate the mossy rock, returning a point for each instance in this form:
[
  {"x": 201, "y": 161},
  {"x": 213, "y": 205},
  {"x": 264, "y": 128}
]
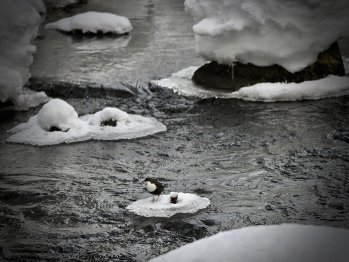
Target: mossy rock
[{"x": 226, "y": 77}]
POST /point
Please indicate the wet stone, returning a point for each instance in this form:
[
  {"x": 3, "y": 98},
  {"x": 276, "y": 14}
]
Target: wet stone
[
  {"x": 231, "y": 78},
  {"x": 109, "y": 122}
]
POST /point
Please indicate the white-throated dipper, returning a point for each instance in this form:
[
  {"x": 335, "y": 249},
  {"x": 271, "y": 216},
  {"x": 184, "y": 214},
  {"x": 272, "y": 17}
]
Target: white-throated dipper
[{"x": 153, "y": 187}]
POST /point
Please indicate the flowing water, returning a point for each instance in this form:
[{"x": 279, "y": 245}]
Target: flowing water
[{"x": 258, "y": 163}]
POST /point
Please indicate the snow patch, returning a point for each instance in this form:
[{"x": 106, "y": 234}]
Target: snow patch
[
  {"x": 93, "y": 22},
  {"x": 282, "y": 243},
  {"x": 186, "y": 203},
  {"x": 59, "y": 114},
  {"x": 290, "y": 33},
  {"x": 331, "y": 86}
]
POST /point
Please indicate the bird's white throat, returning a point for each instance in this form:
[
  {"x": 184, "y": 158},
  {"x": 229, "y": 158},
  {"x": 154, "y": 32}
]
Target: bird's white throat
[{"x": 150, "y": 186}]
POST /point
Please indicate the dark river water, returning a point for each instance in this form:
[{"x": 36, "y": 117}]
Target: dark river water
[{"x": 258, "y": 163}]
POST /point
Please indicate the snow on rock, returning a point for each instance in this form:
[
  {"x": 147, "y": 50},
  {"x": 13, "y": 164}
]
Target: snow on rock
[
  {"x": 186, "y": 203},
  {"x": 282, "y": 243},
  {"x": 331, "y": 86},
  {"x": 108, "y": 113},
  {"x": 93, "y": 22},
  {"x": 19, "y": 24},
  {"x": 43, "y": 128},
  {"x": 58, "y": 114},
  {"x": 290, "y": 33}
]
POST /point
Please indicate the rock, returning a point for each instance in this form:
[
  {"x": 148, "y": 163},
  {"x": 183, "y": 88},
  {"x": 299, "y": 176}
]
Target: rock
[
  {"x": 231, "y": 78},
  {"x": 57, "y": 129},
  {"x": 79, "y": 89},
  {"x": 109, "y": 122},
  {"x": 7, "y": 111},
  {"x": 6, "y": 106}
]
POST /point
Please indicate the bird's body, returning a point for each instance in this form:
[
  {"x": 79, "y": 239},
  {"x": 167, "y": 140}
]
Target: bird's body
[{"x": 153, "y": 186}]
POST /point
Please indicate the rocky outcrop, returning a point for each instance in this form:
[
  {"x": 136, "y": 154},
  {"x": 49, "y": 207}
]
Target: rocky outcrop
[
  {"x": 78, "y": 90},
  {"x": 232, "y": 78}
]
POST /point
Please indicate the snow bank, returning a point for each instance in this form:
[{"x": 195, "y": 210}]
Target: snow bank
[
  {"x": 58, "y": 114},
  {"x": 19, "y": 23},
  {"x": 290, "y": 33},
  {"x": 93, "y": 22},
  {"x": 331, "y": 86},
  {"x": 282, "y": 243},
  {"x": 186, "y": 203}
]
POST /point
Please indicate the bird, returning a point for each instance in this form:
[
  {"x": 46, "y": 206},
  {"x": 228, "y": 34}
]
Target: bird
[{"x": 154, "y": 187}]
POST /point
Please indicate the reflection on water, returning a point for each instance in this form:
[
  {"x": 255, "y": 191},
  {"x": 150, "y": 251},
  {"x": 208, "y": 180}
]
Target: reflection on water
[{"x": 161, "y": 31}]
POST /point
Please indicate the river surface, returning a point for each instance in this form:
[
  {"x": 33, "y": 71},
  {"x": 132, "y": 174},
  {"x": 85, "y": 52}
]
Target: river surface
[{"x": 258, "y": 163}]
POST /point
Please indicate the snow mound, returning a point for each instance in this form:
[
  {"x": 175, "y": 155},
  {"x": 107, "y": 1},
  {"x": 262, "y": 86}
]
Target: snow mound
[
  {"x": 42, "y": 129},
  {"x": 282, "y": 243},
  {"x": 186, "y": 203},
  {"x": 331, "y": 86},
  {"x": 290, "y": 33},
  {"x": 93, "y": 22},
  {"x": 57, "y": 113}
]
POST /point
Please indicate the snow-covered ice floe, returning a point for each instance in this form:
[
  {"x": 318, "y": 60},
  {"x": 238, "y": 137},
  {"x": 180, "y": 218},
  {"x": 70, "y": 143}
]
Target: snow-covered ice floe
[
  {"x": 282, "y": 243},
  {"x": 93, "y": 22},
  {"x": 331, "y": 86},
  {"x": 42, "y": 129},
  {"x": 186, "y": 203}
]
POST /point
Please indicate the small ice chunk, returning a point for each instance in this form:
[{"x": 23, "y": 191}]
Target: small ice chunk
[
  {"x": 173, "y": 194},
  {"x": 93, "y": 22},
  {"x": 186, "y": 203}
]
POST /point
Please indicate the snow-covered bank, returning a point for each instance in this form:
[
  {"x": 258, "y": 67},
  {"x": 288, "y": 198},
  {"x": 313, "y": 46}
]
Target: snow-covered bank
[
  {"x": 57, "y": 122},
  {"x": 290, "y": 33},
  {"x": 93, "y": 22},
  {"x": 331, "y": 86},
  {"x": 19, "y": 24},
  {"x": 282, "y": 243}
]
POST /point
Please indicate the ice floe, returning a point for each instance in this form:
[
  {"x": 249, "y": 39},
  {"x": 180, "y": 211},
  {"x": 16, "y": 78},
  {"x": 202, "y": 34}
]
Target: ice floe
[
  {"x": 57, "y": 122},
  {"x": 331, "y": 86},
  {"x": 186, "y": 203},
  {"x": 282, "y": 243},
  {"x": 93, "y": 22}
]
